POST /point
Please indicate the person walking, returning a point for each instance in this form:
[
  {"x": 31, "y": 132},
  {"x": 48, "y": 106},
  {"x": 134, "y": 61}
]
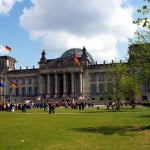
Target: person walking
[{"x": 51, "y": 108}]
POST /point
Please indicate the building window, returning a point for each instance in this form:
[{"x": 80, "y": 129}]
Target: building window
[
  {"x": 109, "y": 87},
  {"x": 93, "y": 89},
  {"x": 101, "y": 88},
  {"x": 92, "y": 76},
  {"x": 36, "y": 91},
  {"x": 1, "y": 65},
  {"x": 10, "y": 91},
  {"x": 108, "y": 77},
  {"x": 101, "y": 77},
  {"x": 17, "y": 82},
  {"x": 30, "y": 91},
  {"x": 30, "y": 81},
  {"x": 23, "y": 81},
  {"x": 36, "y": 81},
  {"x": 23, "y": 91},
  {"x": 143, "y": 88},
  {"x": 17, "y": 91}
]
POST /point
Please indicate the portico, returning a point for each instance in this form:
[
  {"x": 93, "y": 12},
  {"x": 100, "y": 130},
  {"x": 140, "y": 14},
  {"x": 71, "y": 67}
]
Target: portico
[{"x": 58, "y": 85}]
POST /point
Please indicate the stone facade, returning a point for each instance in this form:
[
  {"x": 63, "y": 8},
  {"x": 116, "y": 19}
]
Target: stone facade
[{"x": 57, "y": 78}]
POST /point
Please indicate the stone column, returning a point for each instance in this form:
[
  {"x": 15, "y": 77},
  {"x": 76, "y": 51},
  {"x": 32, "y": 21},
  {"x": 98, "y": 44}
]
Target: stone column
[
  {"x": 26, "y": 86},
  {"x": 48, "y": 86},
  {"x": 97, "y": 83},
  {"x": 64, "y": 85},
  {"x": 81, "y": 83},
  {"x": 56, "y": 87},
  {"x": 40, "y": 85},
  {"x": 33, "y": 85},
  {"x": 72, "y": 84}
]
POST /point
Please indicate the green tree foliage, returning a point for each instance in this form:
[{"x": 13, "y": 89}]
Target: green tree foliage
[
  {"x": 143, "y": 32},
  {"x": 139, "y": 60},
  {"x": 125, "y": 84},
  {"x": 116, "y": 93},
  {"x": 145, "y": 10},
  {"x": 130, "y": 87},
  {"x": 139, "y": 49}
]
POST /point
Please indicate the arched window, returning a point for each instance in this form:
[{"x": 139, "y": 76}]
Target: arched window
[
  {"x": 93, "y": 89},
  {"x": 23, "y": 91},
  {"x": 30, "y": 91},
  {"x": 17, "y": 91}
]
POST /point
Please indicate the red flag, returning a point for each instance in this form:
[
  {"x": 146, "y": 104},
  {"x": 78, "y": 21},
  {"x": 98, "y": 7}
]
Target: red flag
[
  {"x": 76, "y": 60},
  {"x": 13, "y": 84},
  {"x": 7, "y": 48}
]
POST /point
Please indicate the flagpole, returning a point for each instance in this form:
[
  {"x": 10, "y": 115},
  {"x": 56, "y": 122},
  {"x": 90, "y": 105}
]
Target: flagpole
[{"x": 74, "y": 77}]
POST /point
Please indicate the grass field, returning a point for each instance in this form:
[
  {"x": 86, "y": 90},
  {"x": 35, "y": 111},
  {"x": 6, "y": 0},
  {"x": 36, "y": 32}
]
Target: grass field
[{"x": 76, "y": 130}]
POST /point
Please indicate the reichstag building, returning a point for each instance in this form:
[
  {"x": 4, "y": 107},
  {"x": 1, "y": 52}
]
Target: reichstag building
[{"x": 58, "y": 78}]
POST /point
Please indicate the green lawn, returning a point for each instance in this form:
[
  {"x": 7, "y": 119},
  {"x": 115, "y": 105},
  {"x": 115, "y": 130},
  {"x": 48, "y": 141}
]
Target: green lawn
[{"x": 76, "y": 130}]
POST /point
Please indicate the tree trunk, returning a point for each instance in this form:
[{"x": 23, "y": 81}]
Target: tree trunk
[{"x": 118, "y": 105}]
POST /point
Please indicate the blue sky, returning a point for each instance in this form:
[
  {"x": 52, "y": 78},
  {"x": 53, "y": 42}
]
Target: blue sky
[{"x": 30, "y": 26}]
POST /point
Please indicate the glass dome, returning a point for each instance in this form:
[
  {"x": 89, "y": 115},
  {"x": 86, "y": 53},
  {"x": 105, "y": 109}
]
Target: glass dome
[{"x": 69, "y": 54}]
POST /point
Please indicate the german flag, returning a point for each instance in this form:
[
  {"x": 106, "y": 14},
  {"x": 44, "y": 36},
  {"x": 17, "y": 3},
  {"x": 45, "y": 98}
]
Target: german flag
[
  {"x": 76, "y": 60},
  {"x": 13, "y": 84},
  {"x": 7, "y": 48}
]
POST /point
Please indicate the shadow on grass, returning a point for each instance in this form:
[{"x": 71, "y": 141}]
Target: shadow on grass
[
  {"x": 109, "y": 110},
  {"x": 145, "y": 116},
  {"x": 100, "y": 111},
  {"x": 120, "y": 130},
  {"x": 92, "y": 112}
]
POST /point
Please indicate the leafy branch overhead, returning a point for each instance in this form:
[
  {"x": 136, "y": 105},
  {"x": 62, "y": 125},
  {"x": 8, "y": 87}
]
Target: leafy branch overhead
[{"x": 145, "y": 20}]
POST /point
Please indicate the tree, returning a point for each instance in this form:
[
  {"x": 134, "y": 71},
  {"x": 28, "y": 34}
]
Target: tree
[
  {"x": 117, "y": 72},
  {"x": 139, "y": 57},
  {"x": 130, "y": 87},
  {"x": 139, "y": 49},
  {"x": 125, "y": 84}
]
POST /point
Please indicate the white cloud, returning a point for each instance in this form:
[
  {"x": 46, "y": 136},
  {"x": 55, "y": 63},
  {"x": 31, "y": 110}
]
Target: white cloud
[
  {"x": 97, "y": 24},
  {"x": 7, "y": 5},
  {"x": 3, "y": 50}
]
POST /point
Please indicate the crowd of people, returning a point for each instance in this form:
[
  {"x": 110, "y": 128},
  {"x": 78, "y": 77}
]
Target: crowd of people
[
  {"x": 47, "y": 106},
  {"x": 50, "y": 106},
  {"x": 11, "y": 107}
]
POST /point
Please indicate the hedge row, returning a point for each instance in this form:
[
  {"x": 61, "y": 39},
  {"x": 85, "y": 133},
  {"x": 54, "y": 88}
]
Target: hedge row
[{"x": 146, "y": 104}]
